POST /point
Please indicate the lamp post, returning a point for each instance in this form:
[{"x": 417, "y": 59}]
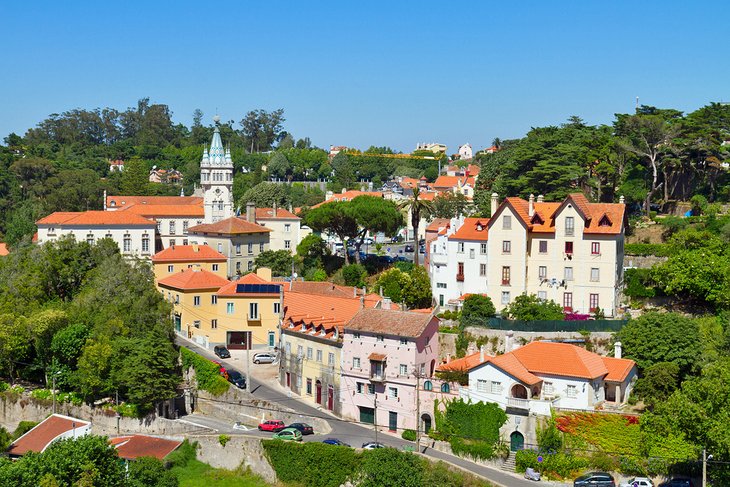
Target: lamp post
[{"x": 53, "y": 391}]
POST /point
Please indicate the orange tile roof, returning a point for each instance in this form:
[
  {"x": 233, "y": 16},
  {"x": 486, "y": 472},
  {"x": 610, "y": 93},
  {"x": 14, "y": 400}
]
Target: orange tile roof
[
  {"x": 43, "y": 434},
  {"x": 193, "y": 279},
  {"x": 618, "y": 368},
  {"x": 543, "y": 212},
  {"x": 464, "y": 363},
  {"x": 165, "y": 210},
  {"x": 320, "y": 309},
  {"x": 406, "y": 182},
  {"x": 390, "y": 322},
  {"x": 251, "y": 278},
  {"x": 323, "y": 288},
  {"x": 188, "y": 253},
  {"x": 472, "y": 229},
  {"x": 514, "y": 367},
  {"x": 438, "y": 223},
  {"x": 95, "y": 218},
  {"x": 453, "y": 181},
  {"x": 121, "y": 201},
  {"x": 4, "y": 249},
  {"x": 473, "y": 169},
  {"x": 136, "y": 446},
  {"x": 230, "y": 226},
  {"x": 268, "y": 213},
  {"x": 377, "y": 357}
]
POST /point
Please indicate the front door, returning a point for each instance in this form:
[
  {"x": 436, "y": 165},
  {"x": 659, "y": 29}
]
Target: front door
[
  {"x": 516, "y": 441},
  {"x": 288, "y": 379},
  {"x": 392, "y": 421},
  {"x": 319, "y": 392},
  {"x": 178, "y": 325},
  {"x": 367, "y": 415},
  {"x": 272, "y": 339},
  {"x": 330, "y": 398},
  {"x": 426, "y": 423}
]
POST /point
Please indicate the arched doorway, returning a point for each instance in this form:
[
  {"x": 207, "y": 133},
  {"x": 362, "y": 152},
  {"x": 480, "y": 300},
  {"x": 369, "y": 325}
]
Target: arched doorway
[
  {"x": 426, "y": 419},
  {"x": 516, "y": 441},
  {"x": 318, "y": 387},
  {"x": 518, "y": 391}
]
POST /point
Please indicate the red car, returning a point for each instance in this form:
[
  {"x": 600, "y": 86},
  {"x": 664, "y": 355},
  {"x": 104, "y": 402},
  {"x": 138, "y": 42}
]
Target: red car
[{"x": 274, "y": 426}]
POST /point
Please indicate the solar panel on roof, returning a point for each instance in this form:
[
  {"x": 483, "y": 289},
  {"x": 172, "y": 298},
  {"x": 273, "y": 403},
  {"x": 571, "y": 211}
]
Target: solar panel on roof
[{"x": 257, "y": 289}]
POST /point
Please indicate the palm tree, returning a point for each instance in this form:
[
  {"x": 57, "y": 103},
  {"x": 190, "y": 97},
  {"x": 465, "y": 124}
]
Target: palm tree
[{"x": 418, "y": 208}]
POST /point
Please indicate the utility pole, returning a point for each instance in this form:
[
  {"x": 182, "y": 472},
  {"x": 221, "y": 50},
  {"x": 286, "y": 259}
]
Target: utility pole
[
  {"x": 54, "y": 392},
  {"x": 705, "y": 457},
  {"x": 418, "y": 410},
  {"x": 249, "y": 336},
  {"x": 375, "y": 415}
]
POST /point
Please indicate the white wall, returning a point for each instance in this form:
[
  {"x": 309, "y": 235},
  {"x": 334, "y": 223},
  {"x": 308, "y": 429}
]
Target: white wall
[{"x": 48, "y": 233}]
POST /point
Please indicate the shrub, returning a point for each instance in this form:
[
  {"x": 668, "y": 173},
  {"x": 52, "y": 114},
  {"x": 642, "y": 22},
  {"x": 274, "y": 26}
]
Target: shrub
[
  {"x": 183, "y": 454},
  {"x": 472, "y": 429},
  {"x": 478, "y": 309},
  {"x": 528, "y": 307},
  {"x": 127, "y": 410},
  {"x": 638, "y": 283},
  {"x": 207, "y": 374},
  {"x": 390, "y": 467},
  {"x": 23, "y": 428},
  {"x": 602, "y": 461},
  {"x": 659, "y": 250},
  {"x": 4, "y": 386},
  {"x": 354, "y": 275},
  {"x": 555, "y": 465},
  {"x": 408, "y": 435},
  {"x": 42, "y": 394},
  {"x": 223, "y": 439},
  {"x": 312, "y": 464}
]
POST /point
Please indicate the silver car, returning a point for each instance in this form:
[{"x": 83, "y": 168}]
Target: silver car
[{"x": 264, "y": 358}]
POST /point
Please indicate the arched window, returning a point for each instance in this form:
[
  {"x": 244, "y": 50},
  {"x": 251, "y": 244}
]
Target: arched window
[
  {"x": 445, "y": 387},
  {"x": 427, "y": 386}
]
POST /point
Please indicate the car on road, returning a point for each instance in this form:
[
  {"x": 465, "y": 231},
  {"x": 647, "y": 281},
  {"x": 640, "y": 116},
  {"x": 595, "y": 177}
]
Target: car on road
[
  {"x": 303, "y": 428},
  {"x": 409, "y": 248},
  {"x": 237, "y": 379},
  {"x": 421, "y": 249},
  {"x": 221, "y": 370},
  {"x": 334, "y": 441},
  {"x": 221, "y": 351},
  {"x": 372, "y": 445},
  {"x": 288, "y": 434},
  {"x": 264, "y": 358},
  {"x": 678, "y": 482},
  {"x": 272, "y": 425},
  {"x": 638, "y": 482},
  {"x": 595, "y": 479}
]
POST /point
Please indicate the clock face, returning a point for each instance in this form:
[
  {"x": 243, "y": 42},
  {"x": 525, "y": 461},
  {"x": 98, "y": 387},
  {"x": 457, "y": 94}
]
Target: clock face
[{"x": 217, "y": 191}]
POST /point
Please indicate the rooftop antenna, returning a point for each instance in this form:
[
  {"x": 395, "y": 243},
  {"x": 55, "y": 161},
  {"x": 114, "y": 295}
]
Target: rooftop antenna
[{"x": 637, "y": 103}]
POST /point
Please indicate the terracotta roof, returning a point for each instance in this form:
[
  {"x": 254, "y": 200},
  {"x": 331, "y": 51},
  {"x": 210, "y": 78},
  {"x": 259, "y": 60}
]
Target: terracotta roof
[
  {"x": 230, "y": 226},
  {"x": 349, "y": 196},
  {"x": 268, "y": 213},
  {"x": 510, "y": 364},
  {"x": 618, "y": 368},
  {"x": 320, "y": 309},
  {"x": 406, "y": 182},
  {"x": 614, "y": 213},
  {"x": 453, "y": 181},
  {"x": 438, "y": 223},
  {"x": 122, "y": 201},
  {"x": 188, "y": 253},
  {"x": 323, "y": 288},
  {"x": 193, "y": 279},
  {"x": 377, "y": 357},
  {"x": 464, "y": 363},
  {"x": 390, "y": 322},
  {"x": 165, "y": 210},
  {"x": 4, "y": 249},
  {"x": 543, "y": 213},
  {"x": 472, "y": 229},
  {"x": 473, "y": 169},
  {"x": 136, "y": 446},
  {"x": 251, "y": 278},
  {"x": 43, "y": 434},
  {"x": 95, "y": 218}
]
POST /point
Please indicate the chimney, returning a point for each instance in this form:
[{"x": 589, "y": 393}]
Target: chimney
[
  {"x": 531, "y": 206},
  {"x": 354, "y": 292},
  {"x": 617, "y": 350},
  {"x": 251, "y": 212},
  {"x": 196, "y": 249},
  {"x": 540, "y": 198},
  {"x": 362, "y": 302},
  {"x": 274, "y": 212},
  {"x": 104, "y": 200},
  {"x": 344, "y": 190},
  {"x": 620, "y": 199},
  {"x": 493, "y": 205},
  {"x": 481, "y": 354},
  {"x": 508, "y": 341},
  {"x": 384, "y": 304}
]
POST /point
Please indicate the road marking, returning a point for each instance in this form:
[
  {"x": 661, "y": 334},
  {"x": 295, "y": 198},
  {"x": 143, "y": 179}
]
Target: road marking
[{"x": 197, "y": 424}]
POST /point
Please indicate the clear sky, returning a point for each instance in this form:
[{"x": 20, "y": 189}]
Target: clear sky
[{"x": 366, "y": 73}]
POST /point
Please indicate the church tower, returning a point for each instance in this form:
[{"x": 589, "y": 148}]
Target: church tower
[{"x": 216, "y": 179}]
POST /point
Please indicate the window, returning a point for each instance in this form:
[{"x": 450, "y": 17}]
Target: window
[
  {"x": 542, "y": 272},
  {"x": 300, "y": 351},
  {"x": 360, "y": 387},
  {"x": 547, "y": 388},
  {"x": 460, "y": 271},
  {"x": 253, "y": 311},
  {"x": 250, "y": 249},
  {"x": 214, "y": 324},
  {"x": 309, "y": 386},
  {"x": 542, "y": 295},
  {"x": 299, "y": 382},
  {"x": 593, "y": 302},
  {"x": 393, "y": 392},
  {"x": 422, "y": 367},
  {"x": 595, "y": 248},
  {"x": 185, "y": 227},
  {"x": 445, "y": 387},
  {"x": 404, "y": 341},
  {"x": 505, "y": 297},
  {"x": 277, "y": 308},
  {"x": 215, "y": 267},
  {"x": 238, "y": 249},
  {"x": 427, "y": 385},
  {"x": 568, "y": 274},
  {"x": 196, "y": 300},
  {"x": 568, "y": 300},
  {"x": 379, "y": 338},
  {"x": 287, "y": 244},
  {"x": 482, "y": 269},
  {"x": 330, "y": 358},
  {"x": 505, "y": 275},
  {"x": 506, "y": 222},
  {"x": 569, "y": 248},
  {"x": 403, "y": 369},
  {"x": 127, "y": 245},
  {"x": 229, "y": 308},
  {"x": 214, "y": 299},
  {"x": 172, "y": 227},
  {"x": 460, "y": 247},
  {"x": 371, "y": 389},
  {"x": 595, "y": 274},
  {"x": 177, "y": 299},
  {"x": 319, "y": 355},
  {"x": 250, "y": 266},
  {"x": 172, "y": 242},
  {"x": 441, "y": 299},
  {"x": 506, "y": 246},
  {"x": 495, "y": 387},
  {"x": 145, "y": 244},
  {"x": 171, "y": 268},
  {"x": 542, "y": 246},
  {"x": 441, "y": 285},
  {"x": 572, "y": 391},
  {"x": 220, "y": 248},
  {"x": 287, "y": 227},
  {"x": 261, "y": 247},
  {"x": 471, "y": 253},
  {"x": 569, "y": 226},
  {"x": 196, "y": 323},
  {"x": 355, "y": 362},
  {"x": 272, "y": 339},
  {"x": 356, "y": 335},
  {"x": 483, "y": 248},
  {"x": 481, "y": 385}
]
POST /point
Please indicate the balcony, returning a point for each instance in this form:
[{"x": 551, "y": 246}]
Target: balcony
[
  {"x": 505, "y": 282},
  {"x": 460, "y": 277},
  {"x": 377, "y": 376},
  {"x": 513, "y": 402}
]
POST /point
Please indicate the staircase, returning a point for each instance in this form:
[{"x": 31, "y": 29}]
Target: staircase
[{"x": 509, "y": 464}]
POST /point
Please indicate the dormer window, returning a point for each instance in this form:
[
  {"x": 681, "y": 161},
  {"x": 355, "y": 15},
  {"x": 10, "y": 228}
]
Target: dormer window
[
  {"x": 604, "y": 221},
  {"x": 479, "y": 227},
  {"x": 536, "y": 220}
]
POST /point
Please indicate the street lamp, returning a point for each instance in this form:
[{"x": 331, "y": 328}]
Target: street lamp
[{"x": 53, "y": 391}]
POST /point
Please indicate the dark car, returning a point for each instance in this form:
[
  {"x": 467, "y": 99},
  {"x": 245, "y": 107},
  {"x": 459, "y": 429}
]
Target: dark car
[
  {"x": 595, "y": 479},
  {"x": 409, "y": 248},
  {"x": 422, "y": 249},
  {"x": 303, "y": 428},
  {"x": 678, "y": 482},
  {"x": 237, "y": 379},
  {"x": 221, "y": 351},
  {"x": 334, "y": 441}
]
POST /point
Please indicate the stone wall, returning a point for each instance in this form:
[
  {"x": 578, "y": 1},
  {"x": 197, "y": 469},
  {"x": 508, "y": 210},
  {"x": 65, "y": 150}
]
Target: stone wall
[
  {"x": 643, "y": 261},
  {"x": 600, "y": 340},
  {"x": 240, "y": 451}
]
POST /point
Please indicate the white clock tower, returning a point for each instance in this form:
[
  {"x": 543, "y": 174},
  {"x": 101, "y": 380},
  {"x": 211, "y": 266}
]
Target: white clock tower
[{"x": 216, "y": 179}]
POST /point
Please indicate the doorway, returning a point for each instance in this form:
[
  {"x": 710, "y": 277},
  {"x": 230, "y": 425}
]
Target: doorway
[
  {"x": 330, "y": 398},
  {"x": 318, "y": 388},
  {"x": 426, "y": 419},
  {"x": 392, "y": 421},
  {"x": 516, "y": 441}
]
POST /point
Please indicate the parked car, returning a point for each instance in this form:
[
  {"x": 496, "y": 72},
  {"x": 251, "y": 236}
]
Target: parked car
[
  {"x": 595, "y": 479},
  {"x": 422, "y": 249},
  {"x": 221, "y": 370},
  {"x": 372, "y": 445},
  {"x": 678, "y": 482},
  {"x": 237, "y": 379},
  {"x": 334, "y": 441},
  {"x": 264, "y": 358},
  {"x": 303, "y": 428},
  {"x": 221, "y": 351},
  {"x": 409, "y": 248},
  {"x": 272, "y": 425},
  {"x": 638, "y": 482},
  {"x": 288, "y": 434},
  {"x": 532, "y": 474}
]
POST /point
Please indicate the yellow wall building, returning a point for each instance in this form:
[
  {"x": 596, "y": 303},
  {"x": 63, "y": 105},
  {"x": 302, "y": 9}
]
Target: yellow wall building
[{"x": 180, "y": 257}]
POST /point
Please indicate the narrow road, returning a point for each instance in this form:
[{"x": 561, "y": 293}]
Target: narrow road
[{"x": 350, "y": 432}]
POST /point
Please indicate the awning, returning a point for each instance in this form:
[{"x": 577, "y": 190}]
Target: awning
[{"x": 377, "y": 357}]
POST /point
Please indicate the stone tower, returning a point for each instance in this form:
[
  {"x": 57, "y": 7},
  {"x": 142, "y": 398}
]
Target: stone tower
[{"x": 216, "y": 179}]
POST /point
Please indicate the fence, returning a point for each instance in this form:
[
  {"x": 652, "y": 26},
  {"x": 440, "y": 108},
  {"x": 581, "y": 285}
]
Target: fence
[{"x": 546, "y": 326}]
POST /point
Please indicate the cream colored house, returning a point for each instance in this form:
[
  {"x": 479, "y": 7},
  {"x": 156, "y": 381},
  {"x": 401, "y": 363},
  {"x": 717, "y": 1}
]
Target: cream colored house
[
  {"x": 181, "y": 257},
  {"x": 286, "y": 228}
]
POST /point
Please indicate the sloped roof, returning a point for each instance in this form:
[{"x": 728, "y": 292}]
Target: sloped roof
[
  {"x": 43, "y": 434},
  {"x": 193, "y": 279},
  {"x": 453, "y": 181},
  {"x": 188, "y": 253},
  {"x": 230, "y": 226},
  {"x": 165, "y": 210},
  {"x": 136, "y": 446},
  {"x": 231, "y": 288},
  {"x": 122, "y": 201},
  {"x": 514, "y": 367},
  {"x": 390, "y": 322},
  {"x": 349, "y": 196},
  {"x": 438, "y": 223},
  {"x": 95, "y": 218},
  {"x": 323, "y": 288},
  {"x": 618, "y": 368},
  {"x": 322, "y": 309},
  {"x": 281, "y": 213},
  {"x": 472, "y": 229},
  {"x": 464, "y": 363}
]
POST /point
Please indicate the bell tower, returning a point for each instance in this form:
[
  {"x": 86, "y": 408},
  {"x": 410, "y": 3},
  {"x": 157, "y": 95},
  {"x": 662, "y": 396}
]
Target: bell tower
[{"x": 216, "y": 179}]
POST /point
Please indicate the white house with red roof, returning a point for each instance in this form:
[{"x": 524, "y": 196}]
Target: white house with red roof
[
  {"x": 287, "y": 230},
  {"x": 55, "y": 427}
]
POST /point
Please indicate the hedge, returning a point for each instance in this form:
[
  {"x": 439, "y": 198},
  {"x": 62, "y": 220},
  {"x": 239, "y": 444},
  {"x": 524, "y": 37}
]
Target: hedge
[
  {"x": 207, "y": 374},
  {"x": 658, "y": 250},
  {"x": 312, "y": 464}
]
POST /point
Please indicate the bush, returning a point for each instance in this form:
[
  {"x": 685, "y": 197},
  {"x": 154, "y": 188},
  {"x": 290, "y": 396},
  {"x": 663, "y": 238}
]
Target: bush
[
  {"x": 389, "y": 467},
  {"x": 207, "y": 374},
  {"x": 223, "y": 439},
  {"x": 659, "y": 250},
  {"x": 23, "y": 428},
  {"x": 554, "y": 465},
  {"x": 409, "y": 435},
  {"x": 42, "y": 394},
  {"x": 478, "y": 309},
  {"x": 472, "y": 429},
  {"x": 528, "y": 307},
  {"x": 638, "y": 283},
  {"x": 354, "y": 275},
  {"x": 312, "y": 464},
  {"x": 185, "y": 453}
]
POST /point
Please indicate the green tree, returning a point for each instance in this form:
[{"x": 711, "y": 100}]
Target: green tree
[
  {"x": 373, "y": 215},
  {"x": 279, "y": 261},
  {"x": 478, "y": 308},
  {"x": 528, "y": 307},
  {"x": 658, "y": 382},
  {"x": 333, "y": 217},
  {"x": 343, "y": 169},
  {"x": 150, "y": 472},
  {"x": 354, "y": 275},
  {"x": 392, "y": 282},
  {"x": 264, "y": 195},
  {"x": 15, "y": 340},
  {"x": 417, "y": 291},
  {"x": 135, "y": 178},
  {"x": 279, "y": 166},
  {"x": 388, "y": 467},
  {"x": 312, "y": 246},
  {"x": 449, "y": 205}
]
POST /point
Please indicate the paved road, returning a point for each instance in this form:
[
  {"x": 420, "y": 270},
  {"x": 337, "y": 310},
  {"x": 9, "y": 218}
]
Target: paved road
[{"x": 350, "y": 432}]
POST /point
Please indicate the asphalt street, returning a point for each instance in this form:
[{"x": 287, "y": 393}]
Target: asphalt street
[{"x": 350, "y": 432}]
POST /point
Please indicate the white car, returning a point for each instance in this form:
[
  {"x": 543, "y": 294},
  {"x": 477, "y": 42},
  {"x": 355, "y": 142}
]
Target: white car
[
  {"x": 264, "y": 358},
  {"x": 638, "y": 482}
]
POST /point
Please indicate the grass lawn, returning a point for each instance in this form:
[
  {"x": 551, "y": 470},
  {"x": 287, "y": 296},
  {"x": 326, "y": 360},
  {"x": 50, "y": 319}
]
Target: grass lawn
[{"x": 199, "y": 474}]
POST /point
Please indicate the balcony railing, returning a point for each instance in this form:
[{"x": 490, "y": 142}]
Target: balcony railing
[
  {"x": 377, "y": 376},
  {"x": 516, "y": 403}
]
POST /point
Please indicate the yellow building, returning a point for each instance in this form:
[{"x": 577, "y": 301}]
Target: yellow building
[{"x": 177, "y": 258}]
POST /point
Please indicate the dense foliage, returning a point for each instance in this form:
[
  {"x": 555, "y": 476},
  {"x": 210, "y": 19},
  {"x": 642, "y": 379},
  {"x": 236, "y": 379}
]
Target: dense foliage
[
  {"x": 477, "y": 308},
  {"x": 207, "y": 374},
  {"x": 412, "y": 288},
  {"x": 472, "y": 429},
  {"x": 528, "y": 307}
]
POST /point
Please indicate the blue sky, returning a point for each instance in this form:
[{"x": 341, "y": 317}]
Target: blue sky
[{"x": 366, "y": 73}]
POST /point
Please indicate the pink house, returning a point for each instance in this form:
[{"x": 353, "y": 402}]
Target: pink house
[{"x": 385, "y": 353}]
